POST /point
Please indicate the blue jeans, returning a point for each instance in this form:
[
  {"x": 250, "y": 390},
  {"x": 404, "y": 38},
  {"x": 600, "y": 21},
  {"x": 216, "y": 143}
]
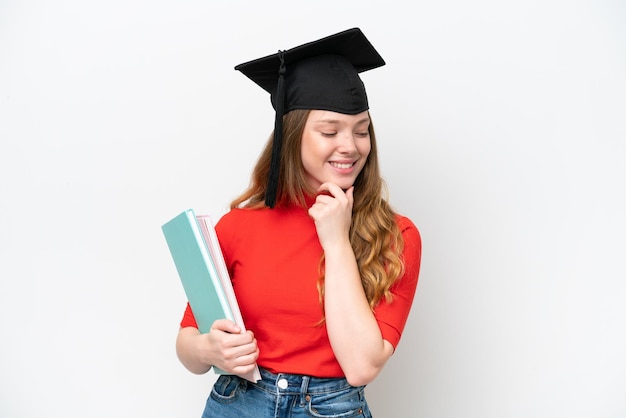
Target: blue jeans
[{"x": 285, "y": 395}]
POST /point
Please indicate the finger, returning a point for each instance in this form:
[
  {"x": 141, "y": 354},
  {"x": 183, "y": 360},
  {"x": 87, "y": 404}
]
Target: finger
[
  {"x": 238, "y": 340},
  {"x": 331, "y": 188},
  {"x": 226, "y": 325},
  {"x": 248, "y": 359},
  {"x": 240, "y": 356},
  {"x": 248, "y": 364},
  {"x": 324, "y": 199},
  {"x": 350, "y": 195},
  {"x": 237, "y": 352}
]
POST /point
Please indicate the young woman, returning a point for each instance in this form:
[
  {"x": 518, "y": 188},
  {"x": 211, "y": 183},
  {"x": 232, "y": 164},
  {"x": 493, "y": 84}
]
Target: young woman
[{"x": 323, "y": 269}]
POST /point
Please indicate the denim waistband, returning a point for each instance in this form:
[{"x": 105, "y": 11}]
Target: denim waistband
[{"x": 300, "y": 384}]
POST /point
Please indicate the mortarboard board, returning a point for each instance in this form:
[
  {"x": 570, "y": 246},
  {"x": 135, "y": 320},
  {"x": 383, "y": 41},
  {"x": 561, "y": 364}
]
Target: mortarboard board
[{"x": 320, "y": 75}]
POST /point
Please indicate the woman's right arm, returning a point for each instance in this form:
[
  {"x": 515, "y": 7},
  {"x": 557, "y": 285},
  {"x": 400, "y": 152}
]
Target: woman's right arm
[{"x": 223, "y": 346}]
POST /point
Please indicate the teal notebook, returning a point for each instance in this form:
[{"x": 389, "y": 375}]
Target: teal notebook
[{"x": 200, "y": 264}]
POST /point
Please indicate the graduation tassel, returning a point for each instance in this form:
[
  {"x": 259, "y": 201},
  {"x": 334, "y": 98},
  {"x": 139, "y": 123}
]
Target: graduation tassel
[{"x": 272, "y": 182}]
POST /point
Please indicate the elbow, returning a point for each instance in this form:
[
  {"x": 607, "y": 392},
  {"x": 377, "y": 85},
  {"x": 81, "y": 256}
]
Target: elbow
[
  {"x": 362, "y": 376},
  {"x": 193, "y": 366},
  {"x": 362, "y": 371},
  {"x": 196, "y": 371}
]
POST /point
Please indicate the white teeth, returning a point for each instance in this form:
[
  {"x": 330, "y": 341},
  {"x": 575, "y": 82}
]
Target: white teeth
[{"x": 339, "y": 165}]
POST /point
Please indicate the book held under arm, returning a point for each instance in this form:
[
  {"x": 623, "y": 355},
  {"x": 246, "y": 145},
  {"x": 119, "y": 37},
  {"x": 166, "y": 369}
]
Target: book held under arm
[{"x": 194, "y": 246}]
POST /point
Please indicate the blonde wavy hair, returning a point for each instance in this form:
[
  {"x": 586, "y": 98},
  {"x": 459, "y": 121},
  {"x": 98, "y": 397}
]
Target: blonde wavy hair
[{"x": 374, "y": 234}]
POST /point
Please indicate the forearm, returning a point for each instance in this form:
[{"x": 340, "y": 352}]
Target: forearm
[
  {"x": 224, "y": 346},
  {"x": 352, "y": 328},
  {"x": 188, "y": 351}
]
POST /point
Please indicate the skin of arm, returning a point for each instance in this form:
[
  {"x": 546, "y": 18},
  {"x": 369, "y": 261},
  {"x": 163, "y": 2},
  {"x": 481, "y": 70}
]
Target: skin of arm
[
  {"x": 223, "y": 346},
  {"x": 352, "y": 328}
]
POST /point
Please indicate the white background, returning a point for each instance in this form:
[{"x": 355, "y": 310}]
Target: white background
[{"x": 501, "y": 128}]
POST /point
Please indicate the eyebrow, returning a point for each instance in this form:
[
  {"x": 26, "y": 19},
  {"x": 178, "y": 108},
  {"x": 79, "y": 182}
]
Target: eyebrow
[{"x": 335, "y": 121}]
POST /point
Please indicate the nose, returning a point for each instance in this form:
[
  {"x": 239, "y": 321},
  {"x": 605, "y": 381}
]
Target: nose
[{"x": 347, "y": 144}]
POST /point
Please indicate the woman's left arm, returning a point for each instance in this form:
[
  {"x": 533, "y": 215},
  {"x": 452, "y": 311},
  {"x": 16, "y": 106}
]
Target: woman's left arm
[{"x": 352, "y": 328}]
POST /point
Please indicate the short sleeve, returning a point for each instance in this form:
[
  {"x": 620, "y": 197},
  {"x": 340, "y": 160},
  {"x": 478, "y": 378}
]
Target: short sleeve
[
  {"x": 392, "y": 316},
  {"x": 188, "y": 319}
]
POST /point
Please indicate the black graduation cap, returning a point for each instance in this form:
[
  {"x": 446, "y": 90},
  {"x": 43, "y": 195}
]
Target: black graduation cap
[{"x": 320, "y": 75}]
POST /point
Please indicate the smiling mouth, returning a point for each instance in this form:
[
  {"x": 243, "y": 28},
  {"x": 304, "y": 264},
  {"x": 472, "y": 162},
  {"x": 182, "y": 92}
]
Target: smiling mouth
[{"x": 342, "y": 165}]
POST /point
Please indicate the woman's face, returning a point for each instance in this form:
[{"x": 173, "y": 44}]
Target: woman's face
[{"x": 335, "y": 147}]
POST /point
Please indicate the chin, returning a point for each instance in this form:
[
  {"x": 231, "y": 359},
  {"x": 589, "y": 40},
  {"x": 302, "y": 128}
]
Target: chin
[{"x": 345, "y": 185}]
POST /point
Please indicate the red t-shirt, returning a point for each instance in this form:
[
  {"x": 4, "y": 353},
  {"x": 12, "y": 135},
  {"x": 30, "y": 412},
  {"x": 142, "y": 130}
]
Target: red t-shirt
[{"x": 273, "y": 258}]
